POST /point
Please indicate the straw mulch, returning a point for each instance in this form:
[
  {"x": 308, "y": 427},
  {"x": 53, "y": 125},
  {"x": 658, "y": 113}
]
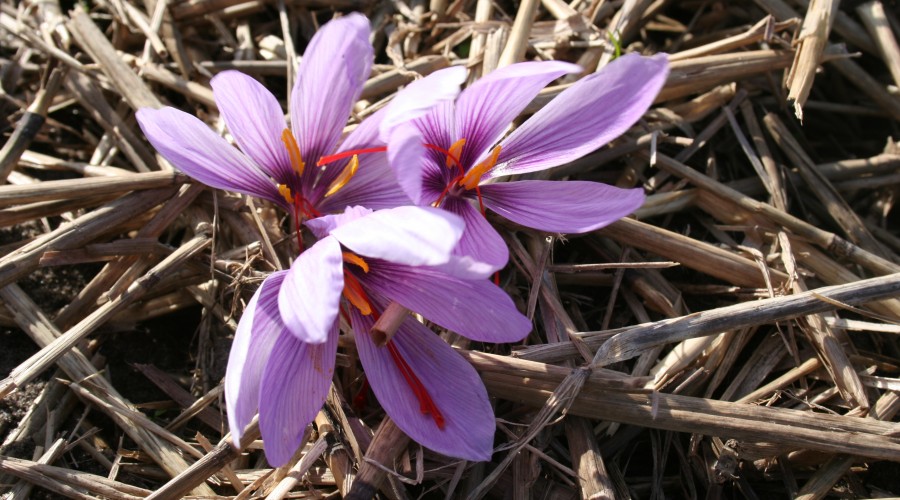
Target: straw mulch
[{"x": 738, "y": 337}]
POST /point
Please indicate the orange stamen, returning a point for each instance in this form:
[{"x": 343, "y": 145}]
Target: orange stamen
[
  {"x": 285, "y": 191},
  {"x": 352, "y": 258},
  {"x": 426, "y": 404},
  {"x": 293, "y": 151},
  {"x": 347, "y": 174},
  {"x": 474, "y": 175},
  {"x": 325, "y": 160},
  {"x": 354, "y": 293},
  {"x": 455, "y": 151}
]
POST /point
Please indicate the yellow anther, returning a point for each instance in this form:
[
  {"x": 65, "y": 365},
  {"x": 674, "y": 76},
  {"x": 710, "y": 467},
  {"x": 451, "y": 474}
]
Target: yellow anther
[
  {"x": 347, "y": 174},
  {"x": 455, "y": 152},
  {"x": 352, "y": 258},
  {"x": 354, "y": 294},
  {"x": 293, "y": 151},
  {"x": 474, "y": 175},
  {"x": 286, "y": 192}
]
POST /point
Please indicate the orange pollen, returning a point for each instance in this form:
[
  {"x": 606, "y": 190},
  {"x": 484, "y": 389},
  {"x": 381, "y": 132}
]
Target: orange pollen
[
  {"x": 285, "y": 191},
  {"x": 347, "y": 174},
  {"x": 354, "y": 293},
  {"x": 426, "y": 404},
  {"x": 455, "y": 152},
  {"x": 474, "y": 175},
  {"x": 293, "y": 151},
  {"x": 352, "y": 258}
]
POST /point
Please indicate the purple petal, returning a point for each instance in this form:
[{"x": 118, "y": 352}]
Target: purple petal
[
  {"x": 561, "y": 206},
  {"x": 332, "y": 72},
  {"x": 587, "y": 115},
  {"x": 374, "y": 186},
  {"x": 197, "y": 151},
  {"x": 415, "y": 236},
  {"x": 407, "y": 155},
  {"x": 256, "y": 333},
  {"x": 476, "y": 309},
  {"x": 485, "y": 109},
  {"x": 481, "y": 251},
  {"x": 451, "y": 383},
  {"x": 311, "y": 292},
  {"x": 419, "y": 97},
  {"x": 295, "y": 383},
  {"x": 256, "y": 121},
  {"x": 324, "y": 225}
]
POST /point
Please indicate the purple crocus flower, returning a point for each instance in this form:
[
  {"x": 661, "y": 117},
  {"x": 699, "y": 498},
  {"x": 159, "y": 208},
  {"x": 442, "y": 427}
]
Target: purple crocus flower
[
  {"x": 448, "y": 152},
  {"x": 283, "y": 354},
  {"x": 277, "y": 163}
]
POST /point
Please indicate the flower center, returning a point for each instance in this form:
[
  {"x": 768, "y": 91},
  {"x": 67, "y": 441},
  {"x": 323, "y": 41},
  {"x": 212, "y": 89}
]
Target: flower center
[{"x": 467, "y": 180}]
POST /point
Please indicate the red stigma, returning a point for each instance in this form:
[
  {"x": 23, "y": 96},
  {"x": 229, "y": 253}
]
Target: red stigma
[{"x": 426, "y": 404}]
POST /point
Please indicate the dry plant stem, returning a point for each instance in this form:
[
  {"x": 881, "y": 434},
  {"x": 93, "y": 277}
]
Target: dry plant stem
[
  {"x": 389, "y": 442},
  {"x": 52, "y": 352},
  {"x": 79, "y": 232},
  {"x": 793, "y": 428},
  {"x": 763, "y": 30},
  {"x": 28, "y": 126},
  {"x": 68, "y": 483},
  {"x": 699, "y": 74},
  {"x": 78, "y": 367},
  {"x": 630, "y": 342},
  {"x": 336, "y": 456},
  {"x": 559, "y": 401},
  {"x": 93, "y": 102},
  {"x": 842, "y": 213},
  {"x": 813, "y": 37},
  {"x": 127, "y": 268},
  {"x": 869, "y": 85},
  {"x": 211, "y": 463},
  {"x": 92, "y": 186},
  {"x": 126, "y": 81},
  {"x": 876, "y": 22},
  {"x": 807, "y": 367},
  {"x": 22, "y": 491},
  {"x": 829, "y": 241},
  {"x": 297, "y": 471},
  {"x": 699, "y": 255},
  {"x": 390, "y": 81},
  {"x": 518, "y": 36}
]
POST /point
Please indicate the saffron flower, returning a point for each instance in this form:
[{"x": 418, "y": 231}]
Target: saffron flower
[
  {"x": 283, "y": 354},
  {"x": 448, "y": 152},
  {"x": 277, "y": 163}
]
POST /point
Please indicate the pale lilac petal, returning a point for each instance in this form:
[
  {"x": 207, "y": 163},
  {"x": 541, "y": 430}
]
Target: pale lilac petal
[
  {"x": 419, "y": 97},
  {"x": 481, "y": 251},
  {"x": 324, "y": 225},
  {"x": 255, "y": 120},
  {"x": 197, "y": 151},
  {"x": 561, "y": 206},
  {"x": 477, "y": 309},
  {"x": 311, "y": 292},
  {"x": 332, "y": 72},
  {"x": 256, "y": 333},
  {"x": 407, "y": 156},
  {"x": 587, "y": 115},
  {"x": 374, "y": 186},
  {"x": 415, "y": 236},
  {"x": 485, "y": 109},
  {"x": 451, "y": 382},
  {"x": 295, "y": 384}
]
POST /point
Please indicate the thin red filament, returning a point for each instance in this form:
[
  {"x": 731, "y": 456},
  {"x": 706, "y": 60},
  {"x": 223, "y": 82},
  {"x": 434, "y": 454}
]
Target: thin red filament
[
  {"x": 325, "y": 160},
  {"x": 426, "y": 404}
]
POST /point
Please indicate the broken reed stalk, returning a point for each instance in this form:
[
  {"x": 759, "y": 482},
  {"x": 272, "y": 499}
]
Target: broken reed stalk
[
  {"x": 792, "y": 428},
  {"x": 632, "y": 341}
]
